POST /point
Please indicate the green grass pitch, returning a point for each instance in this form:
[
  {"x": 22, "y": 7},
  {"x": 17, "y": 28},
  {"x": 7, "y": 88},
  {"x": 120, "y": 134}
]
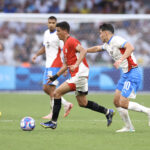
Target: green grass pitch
[{"x": 81, "y": 130}]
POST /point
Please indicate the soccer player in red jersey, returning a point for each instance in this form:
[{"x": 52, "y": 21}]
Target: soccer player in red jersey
[{"x": 75, "y": 61}]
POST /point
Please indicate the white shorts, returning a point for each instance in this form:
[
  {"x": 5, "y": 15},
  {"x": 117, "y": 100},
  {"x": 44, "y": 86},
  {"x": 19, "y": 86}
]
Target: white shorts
[{"x": 78, "y": 84}]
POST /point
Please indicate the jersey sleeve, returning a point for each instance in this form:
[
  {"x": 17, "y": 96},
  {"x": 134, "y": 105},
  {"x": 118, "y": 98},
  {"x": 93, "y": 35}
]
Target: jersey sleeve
[
  {"x": 104, "y": 46},
  {"x": 119, "y": 41},
  {"x": 74, "y": 43}
]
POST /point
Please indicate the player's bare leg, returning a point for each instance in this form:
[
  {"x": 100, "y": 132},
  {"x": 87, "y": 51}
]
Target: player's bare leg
[
  {"x": 58, "y": 93},
  {"x": 49, "y": 89},
  {"x": 83, "y": 102},
  {"x": 134, "y": 106},
  {"x": 139, "y": 108},
  {"x": 123, "y": 113}
]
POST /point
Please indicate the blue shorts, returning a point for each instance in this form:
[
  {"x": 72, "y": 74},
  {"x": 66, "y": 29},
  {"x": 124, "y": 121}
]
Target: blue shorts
[
  {"x": 50, "y": 72},
  {"x": 130, "y": 82}
]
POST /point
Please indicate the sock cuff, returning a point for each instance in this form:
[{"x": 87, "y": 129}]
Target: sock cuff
[
  {"x": 57, "y": 101},
  {"x": 131, "y": 105},
  {"x": 120, "y": 109},
  {"x": 89, "y": 104}
]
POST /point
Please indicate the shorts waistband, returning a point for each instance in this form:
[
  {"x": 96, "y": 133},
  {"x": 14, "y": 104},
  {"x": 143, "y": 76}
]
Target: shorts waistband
[{"x": 134, "y": 67}]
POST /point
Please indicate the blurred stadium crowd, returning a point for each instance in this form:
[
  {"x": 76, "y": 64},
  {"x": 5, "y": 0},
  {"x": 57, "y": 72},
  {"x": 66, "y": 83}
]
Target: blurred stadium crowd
[
  {"x": 75, "y": 6},
  {"x": 21, "y": 40}
]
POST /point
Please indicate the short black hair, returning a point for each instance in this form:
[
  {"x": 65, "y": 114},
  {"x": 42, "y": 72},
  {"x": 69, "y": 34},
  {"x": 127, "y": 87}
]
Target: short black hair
[
  {"x": 107, "y": 27},
  {"x": 52, "y": 17},
  {"x": 64, "y": 26}
]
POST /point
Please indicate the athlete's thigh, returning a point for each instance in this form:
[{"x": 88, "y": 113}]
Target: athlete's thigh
[
  {"x": 117, "y": 97},
  {"x": 82, "y": 100},
  {"x": 49, "y": 88},
  {"x": 62, "y": 89}
]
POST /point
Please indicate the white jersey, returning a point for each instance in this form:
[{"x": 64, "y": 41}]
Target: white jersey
[
  {"x": 115, "y": 48},
  {"x": 53, "y": 48}
]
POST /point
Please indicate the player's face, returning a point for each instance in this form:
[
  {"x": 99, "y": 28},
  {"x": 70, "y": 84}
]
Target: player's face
[
  {"x": 60, "y": 33},
  {"x": 103, "y": 36},
  {"x": 51, "y": 24}
]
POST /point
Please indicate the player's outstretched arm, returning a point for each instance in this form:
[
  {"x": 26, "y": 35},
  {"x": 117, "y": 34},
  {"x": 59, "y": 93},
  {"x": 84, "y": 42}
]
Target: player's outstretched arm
[
  {"x": 94, "y": 49},
  {"x": 40, "y": 52}
]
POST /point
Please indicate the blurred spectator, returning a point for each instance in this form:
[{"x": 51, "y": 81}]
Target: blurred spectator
[
  {"x": 75, "y": 6},
  {"x": 3, "y": 59},
  {"x": 22, "y": 39}
]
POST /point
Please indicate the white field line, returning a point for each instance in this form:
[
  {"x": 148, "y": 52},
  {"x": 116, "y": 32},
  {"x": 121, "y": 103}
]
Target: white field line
[{"x": 6, "y": 121}]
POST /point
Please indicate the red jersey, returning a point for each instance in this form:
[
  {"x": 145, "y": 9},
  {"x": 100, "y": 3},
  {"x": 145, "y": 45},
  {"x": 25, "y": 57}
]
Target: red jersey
[{"x": 71, "y": 56}]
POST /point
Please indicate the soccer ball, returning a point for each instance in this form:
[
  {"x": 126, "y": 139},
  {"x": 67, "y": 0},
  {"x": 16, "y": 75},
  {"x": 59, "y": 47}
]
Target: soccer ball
[{"x": 27, "y": 123}]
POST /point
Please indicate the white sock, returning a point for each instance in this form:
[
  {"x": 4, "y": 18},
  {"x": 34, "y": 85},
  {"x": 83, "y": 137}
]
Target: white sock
[
  {"x": 125, "y": 117},
  {"x": 137, "y": 107},
  {"x": 52, "y": 104},
  {"x": 64, "y": 102}
]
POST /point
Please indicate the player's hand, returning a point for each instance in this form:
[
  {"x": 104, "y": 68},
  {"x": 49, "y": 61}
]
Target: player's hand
[
  {"x": 34, "y": 58},
  {"x": 48, "y": 79},
  {"x": 73, "y": 67},
  {"x": 117, "y": 63},
  {"x": 52, "y": 78}
]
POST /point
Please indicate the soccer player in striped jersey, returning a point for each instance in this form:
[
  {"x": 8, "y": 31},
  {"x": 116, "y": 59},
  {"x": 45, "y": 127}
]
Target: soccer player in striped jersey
[
  {"x": 52, "y": 49},
  {"x": 74, "y": 59},
  {"x": 122, "y": 53}
]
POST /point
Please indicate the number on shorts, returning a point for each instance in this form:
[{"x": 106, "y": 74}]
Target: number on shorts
[{"x": 126, "y": 85}]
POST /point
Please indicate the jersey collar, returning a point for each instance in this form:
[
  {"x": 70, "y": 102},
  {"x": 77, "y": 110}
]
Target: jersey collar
[
  {"x": 109, "y": 40},
  {"x": 52, "y": 31}
]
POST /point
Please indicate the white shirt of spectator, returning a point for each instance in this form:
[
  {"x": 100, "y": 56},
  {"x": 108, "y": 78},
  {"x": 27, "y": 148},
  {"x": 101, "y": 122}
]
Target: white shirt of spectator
[
  {"x": 115, "y": 48},
  {"x": 53, "y": 49}
]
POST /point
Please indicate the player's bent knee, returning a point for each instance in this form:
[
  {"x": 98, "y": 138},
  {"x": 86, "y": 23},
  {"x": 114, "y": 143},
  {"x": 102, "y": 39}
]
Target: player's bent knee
[
  {"x": 116, "y": 103},
  {"x": 82, "y": 105},
  {"x": 124, "y": 103},
  {"x": 57, "y": 94},
  {"x": 45, "y": 89}
]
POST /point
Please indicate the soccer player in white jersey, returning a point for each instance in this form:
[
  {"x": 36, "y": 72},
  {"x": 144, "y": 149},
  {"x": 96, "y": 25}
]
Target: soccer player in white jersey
[
  {"x": 122, "y": 53},
  {"x": 52, "y": 48}
]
